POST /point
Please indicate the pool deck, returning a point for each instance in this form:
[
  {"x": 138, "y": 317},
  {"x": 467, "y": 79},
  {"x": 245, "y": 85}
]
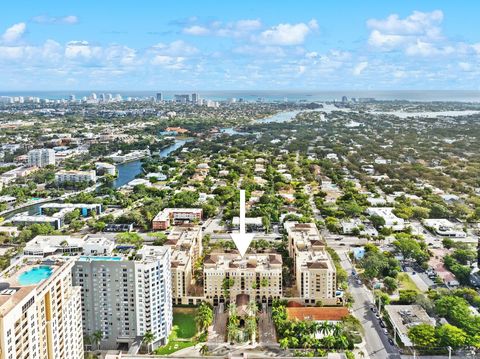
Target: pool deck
[{"x": 9, "y": 279}]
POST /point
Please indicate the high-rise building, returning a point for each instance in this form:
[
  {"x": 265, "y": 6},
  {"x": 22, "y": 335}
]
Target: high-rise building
[
  {"x": 159, "y": 97},
  {"x": 41, "y": 157},
  {"x": 186, "y": 244},
  {"x": 182, "y": 98},
  {"x": 227, "y": 275},
  {"x": 40, "y": 311},
  {"x": 124, "y": 297},
  {"x": 314, "y": 269},
  {"x": 195, "y": 98}
]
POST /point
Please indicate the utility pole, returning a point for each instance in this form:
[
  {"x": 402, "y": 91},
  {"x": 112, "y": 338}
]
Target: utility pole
[{"x": 449, "y": 352}]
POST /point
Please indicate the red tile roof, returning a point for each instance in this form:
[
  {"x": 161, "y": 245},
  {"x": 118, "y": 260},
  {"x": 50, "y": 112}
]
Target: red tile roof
[{"x": 317, "y": 313}]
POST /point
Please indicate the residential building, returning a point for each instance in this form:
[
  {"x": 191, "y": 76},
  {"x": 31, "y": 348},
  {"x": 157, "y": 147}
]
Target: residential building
[
  {"x": 75, "y": 176},
  {"x": 105, "y": 168},
  {"x": 40, "y": 312},
  {"x": 186, "y": 245},
  {"x": 167, "y": 216},
  {"x": 227, "y": 275},
  {"x": 314, "y": 269},
  {"x": 41, "y": 157},
  {"x": 124, "y": 297}
]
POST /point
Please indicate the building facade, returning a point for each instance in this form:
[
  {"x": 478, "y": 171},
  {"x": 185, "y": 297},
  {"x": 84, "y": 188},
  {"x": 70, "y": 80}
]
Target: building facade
[
  {"x": 40, "y": 315},
  {"x": 227, "y": 275},
  {"x": 314, "y": 269},
  {"x": 125, "y": 298},
  {"x": 75, "y": 176},
  {"x": 169, "y": 216},
  {"x": 41, "y": 157}
]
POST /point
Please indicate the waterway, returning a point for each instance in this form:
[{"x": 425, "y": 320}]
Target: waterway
[{"x": 129, "y": 170}]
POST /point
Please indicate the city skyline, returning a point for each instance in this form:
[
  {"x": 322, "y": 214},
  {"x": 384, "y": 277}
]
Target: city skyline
[{"x": 367, "y": 46}]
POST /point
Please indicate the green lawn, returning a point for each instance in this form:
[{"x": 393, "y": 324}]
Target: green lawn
[
  {"x": 184, "y": 319},
  {"x": 405, "y": 282},
  {"x": 173, "y": 346}
]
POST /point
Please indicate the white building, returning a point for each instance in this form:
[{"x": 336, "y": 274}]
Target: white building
[
  {"x": 40, "y": 313},
  {"x": 41, "y": 157},
  {"x": 106, "y": 168},
  {"x": 75, "y": 176},
  {"x": 125, "y": 298},
  {"x": 443, "y": 227},
  {"x": 391, "y": 220}
]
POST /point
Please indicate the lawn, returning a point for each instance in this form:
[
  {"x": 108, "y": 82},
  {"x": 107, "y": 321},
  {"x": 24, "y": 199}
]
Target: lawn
[
  {"x": 173, "y": 346},
  {"x": 184, "y": 319},
  {"x": 405, "y": 282}
]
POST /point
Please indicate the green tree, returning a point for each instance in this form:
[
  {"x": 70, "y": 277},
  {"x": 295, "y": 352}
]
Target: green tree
[
  {"x": 423, "y": 335},
  {"x": 148, "y": 339},
  {"x": 450, "y": 335}
]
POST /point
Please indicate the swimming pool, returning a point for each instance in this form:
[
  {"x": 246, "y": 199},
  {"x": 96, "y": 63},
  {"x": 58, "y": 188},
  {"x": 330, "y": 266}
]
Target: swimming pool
[{"x": 35, "y": 275}]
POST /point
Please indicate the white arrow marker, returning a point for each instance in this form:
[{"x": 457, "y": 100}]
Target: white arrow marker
[{"x": 242, "y": 240}]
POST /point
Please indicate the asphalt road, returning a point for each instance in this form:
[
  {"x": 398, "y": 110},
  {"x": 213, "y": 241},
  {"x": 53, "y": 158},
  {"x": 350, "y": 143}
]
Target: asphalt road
[{"x": 377, "y": 344}]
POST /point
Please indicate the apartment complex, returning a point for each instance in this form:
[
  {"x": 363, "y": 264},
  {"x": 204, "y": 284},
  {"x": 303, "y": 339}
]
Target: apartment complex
[
  {"x": 186, "y": 245},
  {"x": 314, "y": 270},
  {"x": 125, "y": 297},
  {"x": 75, "y": 176},
  {"x": 41, "y": 157},
  {"x": 169, "y": 216},
  {"x": 227, "y": 275},
  {"x": 40, "y": 312}
]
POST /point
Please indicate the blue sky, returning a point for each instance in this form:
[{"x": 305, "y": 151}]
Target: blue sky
[{"x": 221, "y": 45}]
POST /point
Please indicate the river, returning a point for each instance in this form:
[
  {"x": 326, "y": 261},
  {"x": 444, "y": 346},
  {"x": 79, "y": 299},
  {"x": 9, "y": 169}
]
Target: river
[{"x": 129, "y": 170}]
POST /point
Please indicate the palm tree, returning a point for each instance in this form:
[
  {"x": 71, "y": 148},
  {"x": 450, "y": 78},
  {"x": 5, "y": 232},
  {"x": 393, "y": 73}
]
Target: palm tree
[
  {"x": 251, "y": 327},
  {"x": 342, "y": 342},
  {"x": 252, "y": 308},
  {"x": 232, "y": 329},
  {"x": 148, "y": 339},
  {"x": 204, "y": 316},
  {"x": 336, "y": 330},
  {"x": 325, "y": 328},
  {"x": 97, "y": 337},
  {"x": 204, "y": 350},
  {"x": 329, "y": 341}
]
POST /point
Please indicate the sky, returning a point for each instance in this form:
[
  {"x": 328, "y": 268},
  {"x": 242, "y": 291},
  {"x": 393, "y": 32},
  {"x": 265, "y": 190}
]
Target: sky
[{"x": 239, "y": 45}]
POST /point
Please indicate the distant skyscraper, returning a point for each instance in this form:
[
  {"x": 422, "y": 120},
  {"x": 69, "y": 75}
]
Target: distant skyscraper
[
  {"x": 344, "y": 99},
  {"x": 159, "y": 97},
  {"x": 182, "y": 98},
  {"x": 195, "y": 98},
  {"x": 102, "y": 97},
  {"x": 72, "y": 98},
  {"x": 41, "y": 157}
]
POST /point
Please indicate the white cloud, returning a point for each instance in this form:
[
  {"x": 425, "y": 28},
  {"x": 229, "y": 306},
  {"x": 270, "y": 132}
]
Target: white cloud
[
  {"x": 230, "y": 29},
  {"x": 82, "y": 50},
  {"x": 359, "y": 68},
  {"x": 45, "y": 19},
  {"x": 14, "y": 33},
  {"x": 196, "y": 30},
  {"x": 287, "y": 34},
  {"x": 175, "y": 48},
  {"x": 465, "y": 66},
  {"x": 417, "y": 34}
]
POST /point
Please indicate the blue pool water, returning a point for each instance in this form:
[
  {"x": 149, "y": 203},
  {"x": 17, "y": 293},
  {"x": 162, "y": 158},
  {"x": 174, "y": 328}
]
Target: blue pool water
[
  {"x": 92, "y": 258},
  {"x": 35, "y": 275}
]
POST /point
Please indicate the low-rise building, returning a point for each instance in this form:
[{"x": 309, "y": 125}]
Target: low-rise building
[
  {"x": 391, "y": 220},
  {"x": 404, "y": 317},
  {"x": 167, "y": 216},
  {"x": 75, "y": 176},
  {"x": 443, "y": 227}
]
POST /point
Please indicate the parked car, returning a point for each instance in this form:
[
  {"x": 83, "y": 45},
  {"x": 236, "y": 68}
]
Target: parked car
[
  {"x": 390, "y": 340},
  {"x": 385, "y": 331}
]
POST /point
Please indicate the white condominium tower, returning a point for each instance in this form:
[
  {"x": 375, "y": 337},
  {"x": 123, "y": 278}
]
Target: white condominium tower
[
  {"x": 125, "y": 297},
  {"x": 40, "y": 312},
  {"x": 41, "y": 157}
]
